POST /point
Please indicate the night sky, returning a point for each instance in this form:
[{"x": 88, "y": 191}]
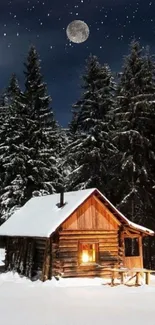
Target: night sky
[{"x": 113, "y": 24}]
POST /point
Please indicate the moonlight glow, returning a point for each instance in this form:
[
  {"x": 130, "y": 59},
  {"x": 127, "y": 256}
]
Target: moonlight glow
[{"x": 77, "y": 31}]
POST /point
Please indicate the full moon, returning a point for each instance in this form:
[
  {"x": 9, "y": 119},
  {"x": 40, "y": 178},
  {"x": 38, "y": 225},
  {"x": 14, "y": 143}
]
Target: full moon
[{"x": 77, "y": 31}]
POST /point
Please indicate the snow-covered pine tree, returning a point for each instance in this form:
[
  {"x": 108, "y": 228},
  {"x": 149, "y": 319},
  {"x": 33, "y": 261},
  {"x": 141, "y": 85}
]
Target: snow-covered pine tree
[
  {"x": 13, "y": 89},
  {"x": 30, "y": 149},
  {"x": 3, "y": 108},
  {"x": 12, "y": 157},
  {"x": 131, "y": 175},
  {"x": 42, "y": 136},
  {"x": 87, "y": 153},
  {"x": 3, "y": 99}
]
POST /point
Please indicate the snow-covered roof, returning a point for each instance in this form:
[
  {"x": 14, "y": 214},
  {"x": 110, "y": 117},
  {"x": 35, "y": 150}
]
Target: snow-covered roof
[{"x": 41, "y": 216}]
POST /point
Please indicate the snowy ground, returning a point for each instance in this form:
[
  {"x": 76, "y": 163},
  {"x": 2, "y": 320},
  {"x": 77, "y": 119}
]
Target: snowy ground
[{"x": 74, "y": 302}]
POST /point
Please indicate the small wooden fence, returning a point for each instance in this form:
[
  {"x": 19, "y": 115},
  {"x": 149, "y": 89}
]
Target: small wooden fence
[{"x": 130, "y": 274}]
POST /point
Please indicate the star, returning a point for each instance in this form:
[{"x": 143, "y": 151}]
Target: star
[{"x": 112, "y": 23}]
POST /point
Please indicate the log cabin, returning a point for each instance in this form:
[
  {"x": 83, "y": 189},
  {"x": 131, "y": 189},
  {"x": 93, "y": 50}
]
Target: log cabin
[{"x": 72, "y": 234}]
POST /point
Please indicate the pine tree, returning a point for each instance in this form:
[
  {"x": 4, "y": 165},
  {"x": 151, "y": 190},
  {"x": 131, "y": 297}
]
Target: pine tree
[
  {"x": 43, "y": 175},
  {"x": 13, "y": 89},
  {"x": 131, "y": 173},
  {"x": 3, "y": 99},
  {"x": 30, "y": 149},
  {"x": 11, "y": 153},
  {"x": 88, "y": 150}
]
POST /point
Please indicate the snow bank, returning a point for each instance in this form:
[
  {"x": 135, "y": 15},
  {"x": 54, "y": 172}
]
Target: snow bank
[{"x": 73, "y": 302}]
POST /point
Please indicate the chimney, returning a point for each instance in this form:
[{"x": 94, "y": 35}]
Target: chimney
[{"x": 61, "y": 199}]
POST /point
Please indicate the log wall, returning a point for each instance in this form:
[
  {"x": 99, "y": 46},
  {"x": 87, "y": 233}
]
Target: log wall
[
  {"x": 68, "y": 252},
  {"x": 59, "y": 255},
  {"x": 91, "y": 222},
  {"x": 20, "y": 255},
  {"x": 40, "y": 244}
]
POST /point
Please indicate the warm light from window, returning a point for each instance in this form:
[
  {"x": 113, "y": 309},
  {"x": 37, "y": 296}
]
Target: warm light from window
[
  {"x": 85, "y": 257},
  {"x": 88, "y": 253}
]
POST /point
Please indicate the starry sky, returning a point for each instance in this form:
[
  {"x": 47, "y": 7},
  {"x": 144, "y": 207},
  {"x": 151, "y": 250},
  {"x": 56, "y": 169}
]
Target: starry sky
[{"x": 112, "y": 23}]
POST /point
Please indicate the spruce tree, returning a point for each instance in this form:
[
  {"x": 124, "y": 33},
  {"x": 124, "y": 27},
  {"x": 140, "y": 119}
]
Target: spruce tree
[
  {"x": 42, "y": 172},
  {"x": 88, "y": 150},
  {"x": 12, "y": 157},
  {"x": 131, "y": 177},
  {"x": 30, "y": 147}
]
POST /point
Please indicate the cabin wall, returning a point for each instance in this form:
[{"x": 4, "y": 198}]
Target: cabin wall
[
  {"x": 25, "y": 255},
  {"x": 20, "y": 255},
  {"x": 68, "y": 252},
  {"x": 91, "y": 222},
  {"x": 40, "y": 245}
]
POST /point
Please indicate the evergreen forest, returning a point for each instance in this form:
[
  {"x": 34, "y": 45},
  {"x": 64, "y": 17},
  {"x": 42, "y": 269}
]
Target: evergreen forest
[{"x": 109, "y": 143}]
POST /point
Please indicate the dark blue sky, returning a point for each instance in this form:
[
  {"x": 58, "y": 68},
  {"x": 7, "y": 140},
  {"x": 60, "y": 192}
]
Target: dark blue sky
[{"x": 113, "y": 24}]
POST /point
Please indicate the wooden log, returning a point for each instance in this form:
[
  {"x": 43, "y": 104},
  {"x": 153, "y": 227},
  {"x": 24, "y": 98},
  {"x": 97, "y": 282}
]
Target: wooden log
[
  {"x": 138, "y": 276},
  {"x": 108, "y": 253},
  {"x": 102, "y": 240},
  {"x": 86, "y": 232},
  {"x": 112, "y": 279},
  {"x": 122, "y": 274},
  {"x": 51, "y": 259},
  {"x": 147, "y": 278},
  {"x": 108, "y": 246},
  {"x": 68, "y": 245},
  {"x": 70, "y": 260},
  {"x": 109, "y": 249},
  {"x": 70, "y": 265},
  {"x": 88, "y": 237},
  {"x": 68, "y": 249},
  {"x": 108, "y": 263},
  {"x": 44, "y": 262},
  {"x": 109, "y": 242},
  {"x": 108, "y": 260},
  {"x": 64, "y": 255}
]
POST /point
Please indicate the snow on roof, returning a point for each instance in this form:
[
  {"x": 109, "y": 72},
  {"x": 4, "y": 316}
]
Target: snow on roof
[
  {"x": 41, "y": 216},
  {"x": 127, "y": 221},
  {"x": 141, "y": 228}
]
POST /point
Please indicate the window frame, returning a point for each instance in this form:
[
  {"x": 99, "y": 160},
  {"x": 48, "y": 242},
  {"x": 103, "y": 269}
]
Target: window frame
[
  {"x": 88, "y": 242},
  {"x": 135, "y": 239}
]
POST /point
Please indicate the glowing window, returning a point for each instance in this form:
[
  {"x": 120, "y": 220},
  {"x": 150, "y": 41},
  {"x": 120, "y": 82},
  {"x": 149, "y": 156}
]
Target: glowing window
[{"x": 88, "y": 253}]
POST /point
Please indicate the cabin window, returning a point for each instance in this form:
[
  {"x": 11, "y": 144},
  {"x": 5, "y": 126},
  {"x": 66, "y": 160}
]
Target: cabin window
[
  {"x": 131, "y": 247},
  {"x": 88, "y": 253}
]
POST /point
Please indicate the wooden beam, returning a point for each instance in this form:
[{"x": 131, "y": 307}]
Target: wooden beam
[
  {"x": 51, "y": 259},
  {"x": 121, "y": 247},
  {"x": 147, "y": 279},
  {"x": 111, "y": 214},
  {"x": 140, "y": 249},
  {"x": 43, "y": 276},
  {"x": 129, "y": 235},
  {"x": 135, "y": 232},
  {"x": 93, "y": 232}
]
